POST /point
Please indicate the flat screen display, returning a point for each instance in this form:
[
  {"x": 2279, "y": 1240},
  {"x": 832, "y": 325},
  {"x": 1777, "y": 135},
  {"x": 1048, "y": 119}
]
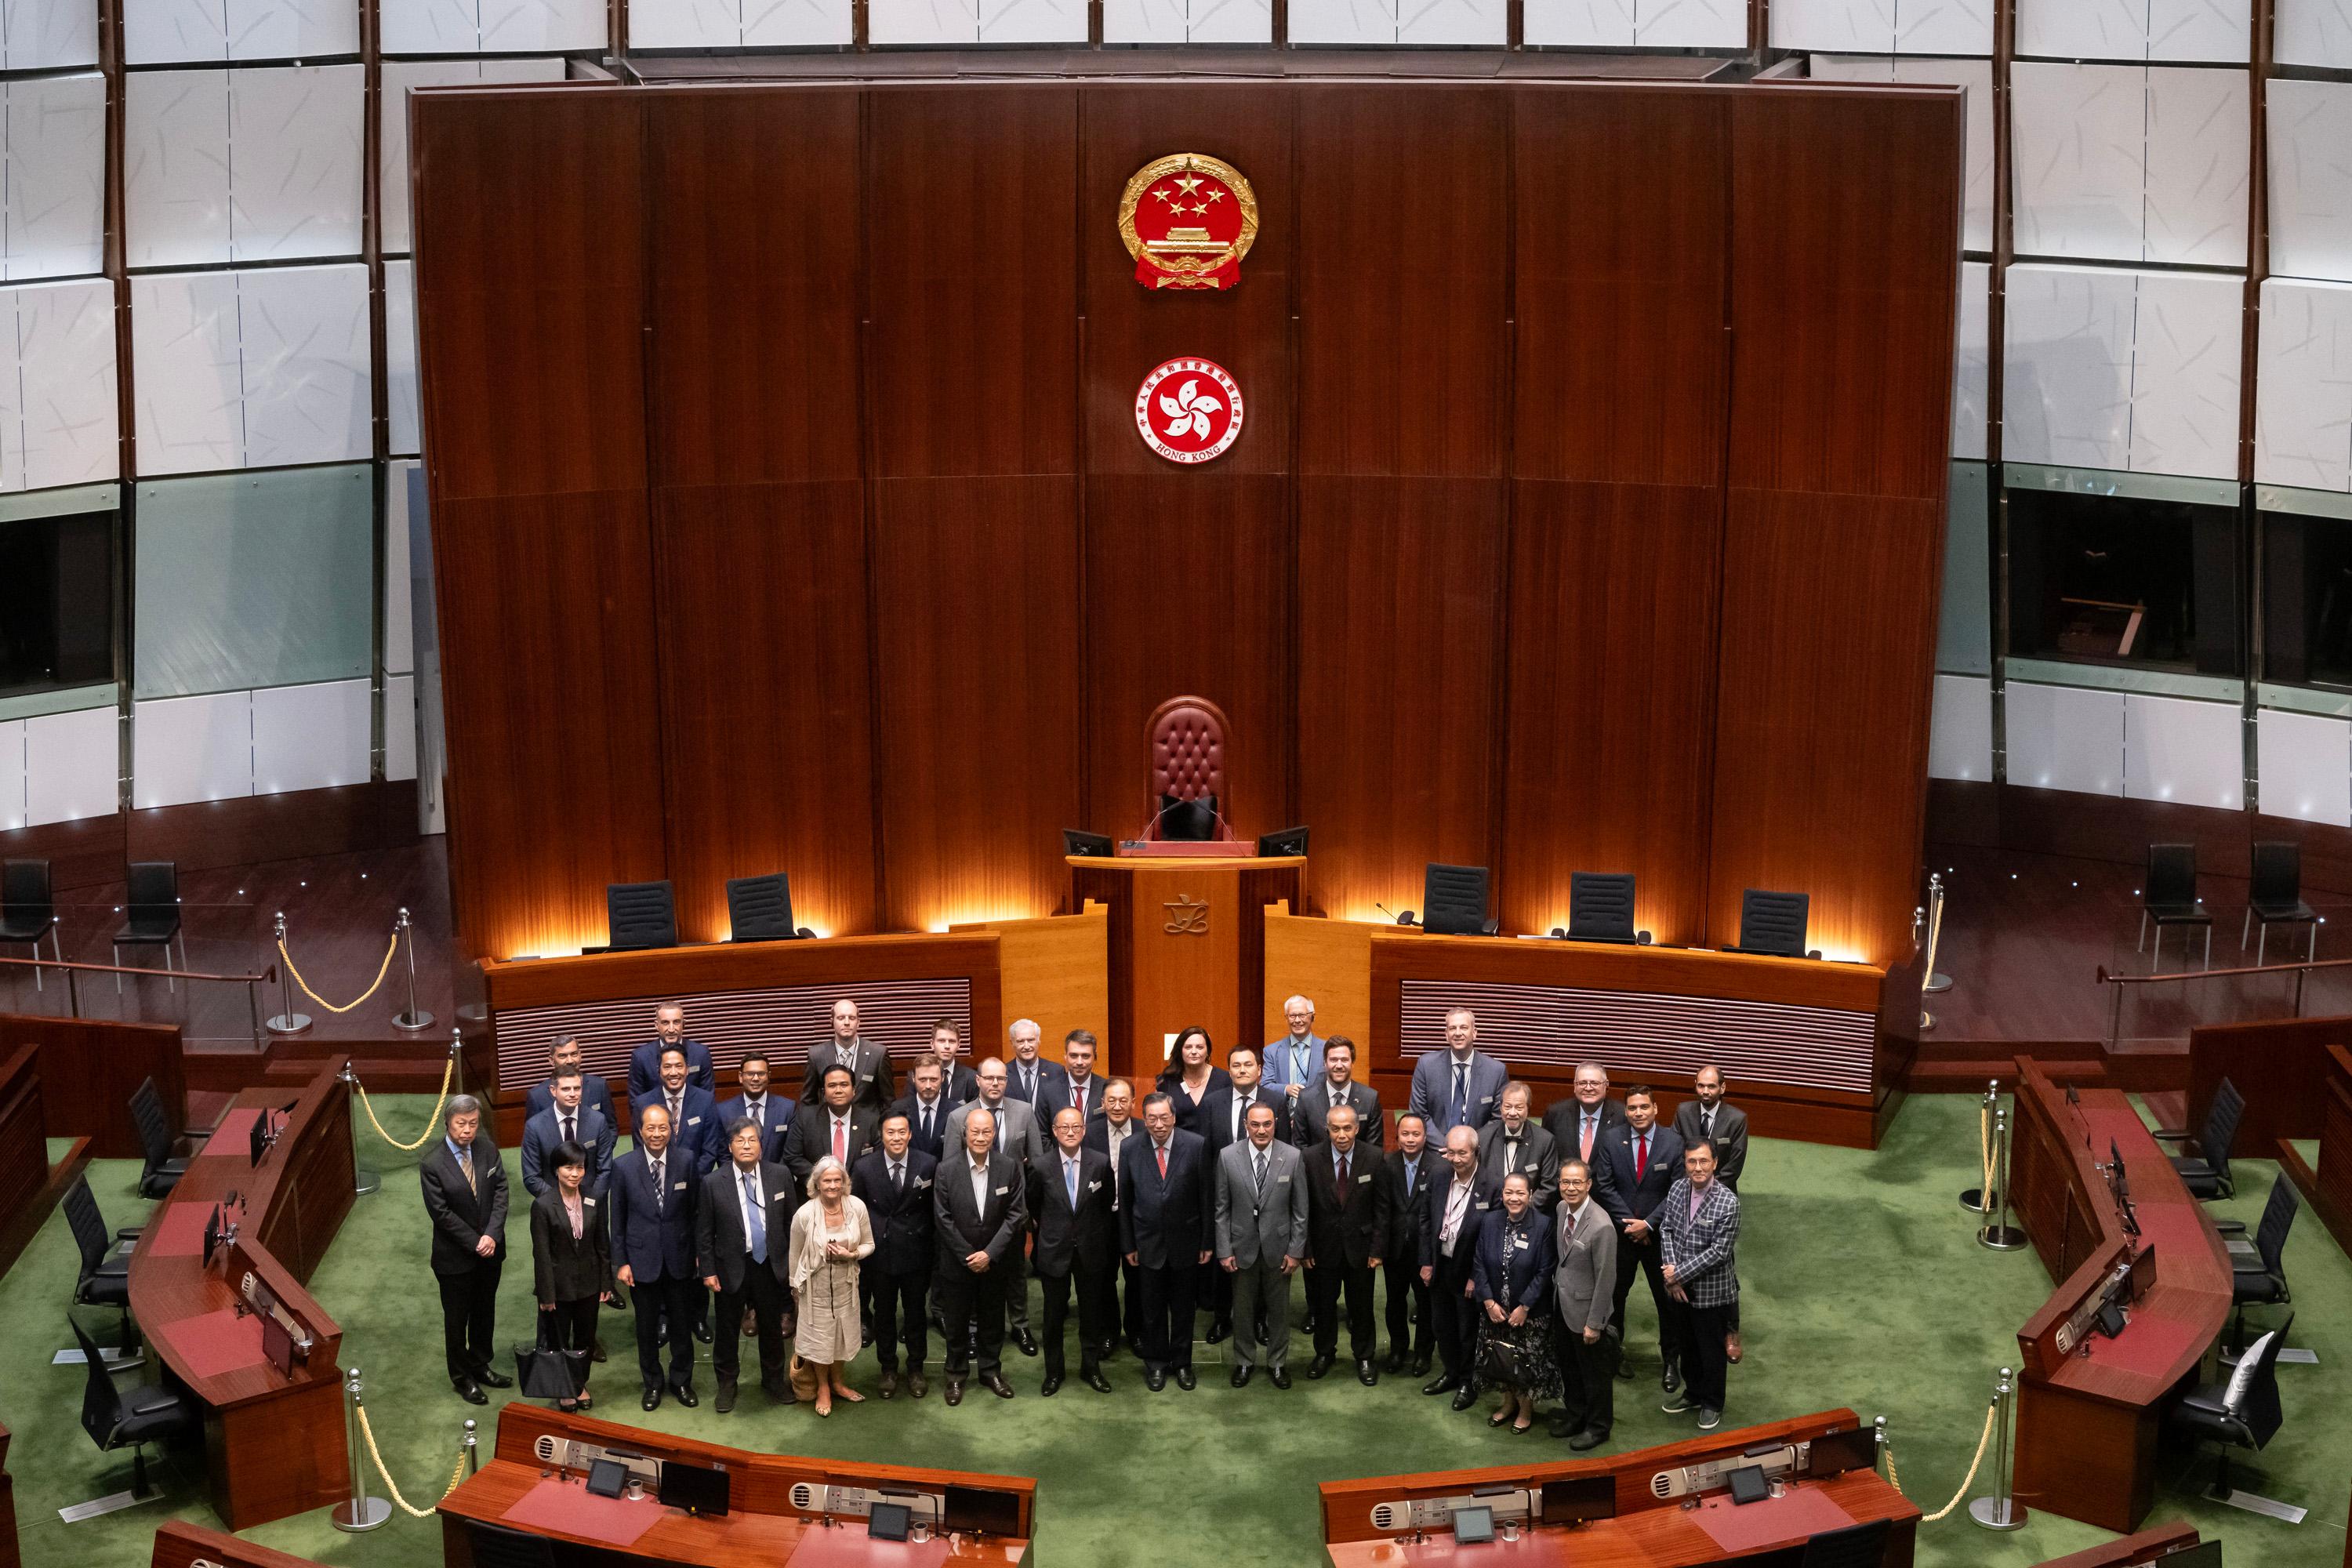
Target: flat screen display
[
  {"x": 979, "y": 1510},
  {"x": 697, "y": 1489},
  {"x": 888, "y": 1521},
  {"x": 1579, "y": 1499},
  {"x": 1472, "y": 1525},
  {"x": 607, "y": 1477},
  {"x": 1834, "y": 1453}
]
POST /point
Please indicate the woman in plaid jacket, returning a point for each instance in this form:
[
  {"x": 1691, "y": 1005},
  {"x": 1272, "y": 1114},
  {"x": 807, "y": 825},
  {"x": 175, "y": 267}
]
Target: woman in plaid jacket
[{"x": 1699, "y": 1227}]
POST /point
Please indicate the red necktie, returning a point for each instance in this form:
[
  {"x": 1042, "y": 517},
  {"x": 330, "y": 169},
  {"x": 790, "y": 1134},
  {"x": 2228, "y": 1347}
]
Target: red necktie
[
  {"x": 1163, "y": 1161},
  {"x": 1641, "y": 1156},
  {"x": 1342, "y": 1183},
  {"x": 841, "y": 1141}
]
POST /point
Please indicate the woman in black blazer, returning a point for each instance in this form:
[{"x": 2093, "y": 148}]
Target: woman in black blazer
[
  {"x": 1192, "y": 1077},
  {"x": 571, "y": 1265},
  {"x": 1512, "y": 1276}
]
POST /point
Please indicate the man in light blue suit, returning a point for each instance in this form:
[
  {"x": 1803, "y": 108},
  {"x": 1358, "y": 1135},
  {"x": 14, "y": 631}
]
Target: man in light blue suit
[
  {"x": 1295, "y": 1060},
  {"x": 1460, "y": 1086}
]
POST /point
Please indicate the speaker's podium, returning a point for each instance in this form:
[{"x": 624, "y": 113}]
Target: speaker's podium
[{"x": 1187, "y": 941}]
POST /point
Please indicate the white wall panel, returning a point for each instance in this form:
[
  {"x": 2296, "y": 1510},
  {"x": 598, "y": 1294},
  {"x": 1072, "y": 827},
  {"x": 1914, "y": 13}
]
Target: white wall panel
[
  {"x": 431, "y": 27},
  {"x": 2188, "y": 339},
  {"x": 175, "y": 168},
  {"x": 1844, "y": 27},
  {"x": 159, "y": 32},
  {"x": 1976, "y": 75},
  {"x": 292, "y": 29},
  {"x": 1029, "y": 21},
  {"x": 59, "y": 422},
  {"x": 2311, "y": 178},
  {"x": 188, "y": 749},
  {"x": 399, "y": 76},
  {"x": 306, "y": 369},
  {"x": 296, "y": 160},
  {"x": 2135, "y": 30},
  {"x": 47, "y": 35},
  {"x": 399, "y": 619},
  {"x": 2062, "y": 737},
  {"x": 922, "y": 21},
  {"x": 311, "y": 737},
  {"x": 1599, "y": 23},
  {"x": 806, "y": 24},
  {"x": 1146, "y": 21},
  {"x": 521, "y": 26},
  {"x": 2303, "y": 763},
  {"x": 2200, "y": 145},
  {"x": 11, "y": 774},
  {"x": 1691, "y": 24},
  {"x": 2303, "y": 398},
  {"x": 2314, "y": 33},
  {"x": 2184, "y": 751},
  {"x": 1972, "y": 361},
  {"x": 1943, "y": 26},
  {"x": 400, "y": 727},
  {"x": 2131, "y": 163},
  {"x": 1959, "y": 745},
  {"x": 400, "y": 355},
  {"x": 1344, "y": 21},
  {"x": 1452, "y": 22},
  {"x": 72, "y": 765},
  {"x": 685, "y": 25},
  {"x": 1227, "y": 21},
  {"x": 184, "y": 354},
  {"x": 52, "y": 175}
]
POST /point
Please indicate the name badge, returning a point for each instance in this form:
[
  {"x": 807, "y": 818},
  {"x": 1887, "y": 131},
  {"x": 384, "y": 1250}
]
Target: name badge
[
  {"x": 678, "y": 1186},
  {"x": 1282, "y": 1180},
  {"x": 1480, "y": 1204},
  {"x": 588, "y": 1203},
  {"x": 1485, "y": 1100},
  {"x": 694, "y": 1121},
  {"x": 1364, "y": 1181},
  {"x": 1002, "y": 1191}
]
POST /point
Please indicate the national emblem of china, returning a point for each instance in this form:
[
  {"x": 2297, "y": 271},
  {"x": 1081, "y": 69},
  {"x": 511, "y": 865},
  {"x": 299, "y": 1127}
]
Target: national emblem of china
[
  {"x": 1188, "y": 220},
  {"x": 1189, "y": 410}
]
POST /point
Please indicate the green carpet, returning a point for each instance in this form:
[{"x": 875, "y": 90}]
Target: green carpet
[{"x": 1863, "y": 1287}]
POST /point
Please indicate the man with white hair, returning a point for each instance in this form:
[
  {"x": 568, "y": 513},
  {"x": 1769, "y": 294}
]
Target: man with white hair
[{"x": 1295, "y": 1060}]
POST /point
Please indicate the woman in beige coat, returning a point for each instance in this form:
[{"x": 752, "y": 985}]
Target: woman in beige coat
[{"x": 830, "y": 1234}]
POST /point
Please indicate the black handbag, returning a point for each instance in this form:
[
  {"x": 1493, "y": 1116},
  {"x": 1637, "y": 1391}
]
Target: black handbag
[{"x": 1498, "y": 1362}]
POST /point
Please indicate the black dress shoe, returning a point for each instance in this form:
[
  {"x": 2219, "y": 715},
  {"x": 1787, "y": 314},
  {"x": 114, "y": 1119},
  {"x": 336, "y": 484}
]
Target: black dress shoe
[
  {"x": 1243, "y": 1374},
  {"x": 890, "y": 1383},
  {"x": 1052, "y": 1385},
  {"x": 1421, "y": 1366},
  {"x": 1587, "y": 1438},
  {"x": 1093, "y": 1378},
  {"x": 1393, "y": 1365},
  {"x": 1154, "y": 1379},
  {"x": 1027, "y": 1341},
  {"x": 1440, "y": 1384},
  {"x": 702, "y": 1332},
  {"x": 684, "y": 1393},
  {"x": 955, "y": 1391},
  {"x": 997, "y": 1385},
  {"x": 781, "y": 1392},
  {"x": 1319, "y": 1365},
  {"x": 1464, "y": 1399},
  {"x": 1279, "y": 1376},
  {"x": 1672, "y": 1380},
  {"x": 726, "y": 1396},
  {"x": 1624, "y": 1371},
  {"x": 652, "y": 1401},
  {"x": 596, "y": 1351},
  {"x": 469, "y": 1391},
  {"x": 917, "y": 1384},
  {"x": 1220, "y": 1332},
  {"x": 1365, "y": 1373},
  {"x": 491, "y": 1377},
  {"x": 1184, "y": 1379},
  {"x": 1562, "y": 1425}
]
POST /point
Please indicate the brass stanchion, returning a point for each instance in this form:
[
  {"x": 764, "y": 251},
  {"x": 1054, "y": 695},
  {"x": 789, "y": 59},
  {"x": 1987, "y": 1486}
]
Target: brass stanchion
[
  {"x": 415, "y": 1018},
  {"x": 288, "y": 1022},
  {"x": 1973, "y": 1200},
  {"x": 1999, "y": 1234},
  {"x": 1998, "y": 1510},
  {"x": 363, "y": 1179},
  {"x": 1934, "y": 983},
  {"x": 361, "y": 1512}
]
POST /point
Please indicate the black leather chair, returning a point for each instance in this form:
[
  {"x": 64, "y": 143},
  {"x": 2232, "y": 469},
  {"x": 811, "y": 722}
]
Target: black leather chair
[
  {"x": 2274, "y": 897},
  {"x": 640, "y": 915},
  {"x": 128, "y": 1417},
  {"x": 2206, "y": 1171},
  {"x": 151, "y": 903},
  {"x": 1601, "y": 908},
  {"x": 105, "y": 1279},
  {"x": 28, "y": 911},
  {"x": 163, "y": 1169},
  {"x": 2258, "y": 1270},
  {"x": 1454, "y": 900},
  {"x": 1857, "y": 1546},
  {"x": 1774, "y": 923},
  {"x": 760, "y": 909},
  {"x": 2169, "y": 898},
  {"x": 495, "y": 1546},
  {"x": 2211, "y": 1413}
]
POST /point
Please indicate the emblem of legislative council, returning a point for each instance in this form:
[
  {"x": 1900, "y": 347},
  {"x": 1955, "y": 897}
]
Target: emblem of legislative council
[
  {"x": 1189, "y": 410},
  {"x": 1188, "y": 220}
]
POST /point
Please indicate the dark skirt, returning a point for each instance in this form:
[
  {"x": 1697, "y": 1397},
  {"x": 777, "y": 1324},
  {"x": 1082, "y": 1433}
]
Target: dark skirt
[{"x": 1532, "y": 1344}]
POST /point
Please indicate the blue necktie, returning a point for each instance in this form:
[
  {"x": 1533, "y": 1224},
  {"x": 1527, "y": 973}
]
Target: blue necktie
[
  {"x": 755, "y": 1219},
  {"x": 1461, "y": 1091},
  {"x": 1070, "y": 1179}
]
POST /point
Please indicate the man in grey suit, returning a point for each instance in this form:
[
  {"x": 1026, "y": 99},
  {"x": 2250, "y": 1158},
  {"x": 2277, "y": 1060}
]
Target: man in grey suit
[
  {"x": 1512, "y": 1144},
  {"x": 1709, "y": 1118},
  {"x": 1021, "y": 1139},
  {"x": 1293, "y": 1061},
  {"x": 1338, "y": 1087},
  {"x": 1584, "y": 1284},
  {"x": 1261, "y": 1237},
  {"x": 1460, "y": 1086}
]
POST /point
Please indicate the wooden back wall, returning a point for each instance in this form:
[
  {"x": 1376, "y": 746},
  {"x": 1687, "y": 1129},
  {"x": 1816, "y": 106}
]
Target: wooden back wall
[{"x": 790, "y": 512}]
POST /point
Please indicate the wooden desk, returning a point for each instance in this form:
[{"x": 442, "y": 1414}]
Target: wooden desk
[
  {"x": 1648, "y": 1531},
  {"x": 2328, "y": 1188},
  {"x": 2132, "y": 1552},
  {"x": 2088, "y": 1418},
  {"x": 92, "y": 1066},
  {"x": 762, "y": 1526},
  {"x": 181, "y": 1545},
  {"x": 274, "y": 1445}
]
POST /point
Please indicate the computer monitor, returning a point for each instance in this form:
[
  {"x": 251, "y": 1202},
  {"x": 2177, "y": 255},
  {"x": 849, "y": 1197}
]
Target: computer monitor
[
  {"x": 256, "y": 1137},
  {"x": 1290, "y": 841},
  {"x": 214, "y": 1225},
  {"x": 979, "y": 1510},
  {"x": 697, "y": 1489},
  {"x": 1078, "y": 841},
  {"x": 889, "y": 1521},
  {"x": 1836, "y": 1453},
  {"x": 1748, "y": 1484},
  {"x": 278, "y": 1345},
  {"x": 1474, "y": 1524},
  {"x": 1579, "y": 1499},
  {"x": 607, "y": 1478},
  {"x": 2205, "y": 1554}
]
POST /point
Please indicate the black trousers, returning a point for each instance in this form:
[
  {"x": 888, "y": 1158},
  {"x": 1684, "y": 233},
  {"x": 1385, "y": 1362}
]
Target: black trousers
[
  {"x": 653, "y": 1300},
  {"x": 1706, "y": 1367},
  {"x": 901, "y": 1304},
  {"x": 572, "y": 1326},
  {"x": 1643, "y": 1255},
  {"x": 1118, "y": 1318},
  {"x": 1168, "y": 1308},
  {"x": 1456, "y": 1317},
  {"x": 766, "y": 1297},
  {"x": 1588, "y": 1381},
  {"x": 1406, "y": 1295},
  {"x": 1087, "y": 1285},
  {"x": 1325, "y": 1282},
  {"x": 973, "y": 1308},
  {"x": 469, "y": 1304}
]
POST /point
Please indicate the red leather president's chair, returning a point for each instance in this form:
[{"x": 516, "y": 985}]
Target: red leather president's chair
[{"x": 1187, "y": 736}]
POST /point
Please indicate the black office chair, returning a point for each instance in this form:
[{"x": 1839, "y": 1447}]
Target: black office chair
[
  {"x": 105, "y": 1279},
  {"x": 2274, "y": 897},
  {"x": 1774, "y": 923},
  {"x": 760, "y": 909},
  {"x": 495, "y": 1546},
  {"x": 1601, "y": 908},
  {"x": 28, "y": 911},
  {"x": 2169, "y": 898},
  {"x": 2242, "y": 1413},
  {"x": 640, "y": 915},
  {"x": 152, "y": 904},
  {"x": 1454, "y": 900},
  {"x": 163, "y": 1169},
  {"x": 2206, "y": 1172},
  {"x": 2258, "y": 1270},
  {"x": 128, "y": 1417},
  {"x": 1858, "y": 1546}
]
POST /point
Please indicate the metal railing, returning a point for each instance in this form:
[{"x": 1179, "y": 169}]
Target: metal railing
[
  {"x": 73, "y": 971},
  {"x": 2121, "y": 983}
]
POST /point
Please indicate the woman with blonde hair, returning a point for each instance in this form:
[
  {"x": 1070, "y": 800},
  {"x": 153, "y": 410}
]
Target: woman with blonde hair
[{"x": 830, "y": 1234}]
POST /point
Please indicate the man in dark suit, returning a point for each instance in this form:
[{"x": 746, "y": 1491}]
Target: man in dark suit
[
  {"x": 1109, "y": 1135},
  {"x": 1513, "y": 1144},
  {"x": 1709, "y": 1118},
  {"x": 1078, "y": 1087},
  {"x": 694, "y": 1124},
  {"x": 645, "y": 1062},
  {"x": 1030, "y": 1078},
  {"x": 1165, "y": 1229},
  {"x": 1338, "y": 1087},
  {"x": 894, "y": 1183},
  {"x": 652, "y": 1209},
  {"x": 774, "y": 1112},
  {"x": 957, "y": 1081},
  {"x": 1452, "y": 1216},
  {"x": 1637, "y": 1162},
  {"x": 1070, "y": 1204},
  {"x": 743, "y": 1227},
  {"x": 839, "y": 1128},
  {"x": 869, "y": 1063},
  {"x": 1347, "y": 1223},
  {"x": 465, "y": 1189},
  {"x": 1459, "y": 1084},
  {"x": 1577, "y": 1122},
  {"x": 567, "y": 1120},
  {"x": 980, "y": 1212},
  {"x": 567, "y": 1054},
  {"x": 1225, "y": 1112},
  {"x": 925, "y": 1105},
  {"x": 1409, "y": 1168}
]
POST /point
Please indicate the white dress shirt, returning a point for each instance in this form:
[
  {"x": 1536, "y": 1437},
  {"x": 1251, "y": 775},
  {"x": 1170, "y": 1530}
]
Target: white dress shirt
[{"x": 735, "y": 1174}]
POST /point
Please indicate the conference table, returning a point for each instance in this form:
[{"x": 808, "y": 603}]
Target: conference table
[
  {"x": 785, "y": 1510},
  {"x": 2090, "y": 1408},
  {"x": 274, "y": 1442},
  {"x": 1363, "y": 1528}
]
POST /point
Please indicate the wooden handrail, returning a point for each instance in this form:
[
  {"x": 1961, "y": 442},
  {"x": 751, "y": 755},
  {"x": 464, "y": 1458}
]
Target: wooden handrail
[
  {"x": 265, "y": 977},
  {"x": 2304, "y": 967}
]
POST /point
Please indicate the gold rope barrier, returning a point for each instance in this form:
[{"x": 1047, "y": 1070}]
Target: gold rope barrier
[
  {"x": 1984, "y": 1149},
  {"x": 392, "y": 1487},
  {"x": 1967, "y": 1480},
  {"x": 448, "y": 1068},
  {"x": 373, "y": 985}
]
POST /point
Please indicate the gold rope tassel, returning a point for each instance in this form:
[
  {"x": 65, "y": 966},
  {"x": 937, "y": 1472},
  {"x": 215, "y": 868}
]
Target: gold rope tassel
[
  {"x": 448, "y": 1068},
  {"x": 1967, "y": 1481},
  {"x": 373, "y": 986},
  {"x": 391, "y": 1487}
]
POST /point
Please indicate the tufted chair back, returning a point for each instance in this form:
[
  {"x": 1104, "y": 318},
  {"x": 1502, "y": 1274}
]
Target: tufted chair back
[{"x": 1187, "y": 736}]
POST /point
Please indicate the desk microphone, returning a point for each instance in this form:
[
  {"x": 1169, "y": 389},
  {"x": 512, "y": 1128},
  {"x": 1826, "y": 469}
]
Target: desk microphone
[{"x": 1403, "y": 920}]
